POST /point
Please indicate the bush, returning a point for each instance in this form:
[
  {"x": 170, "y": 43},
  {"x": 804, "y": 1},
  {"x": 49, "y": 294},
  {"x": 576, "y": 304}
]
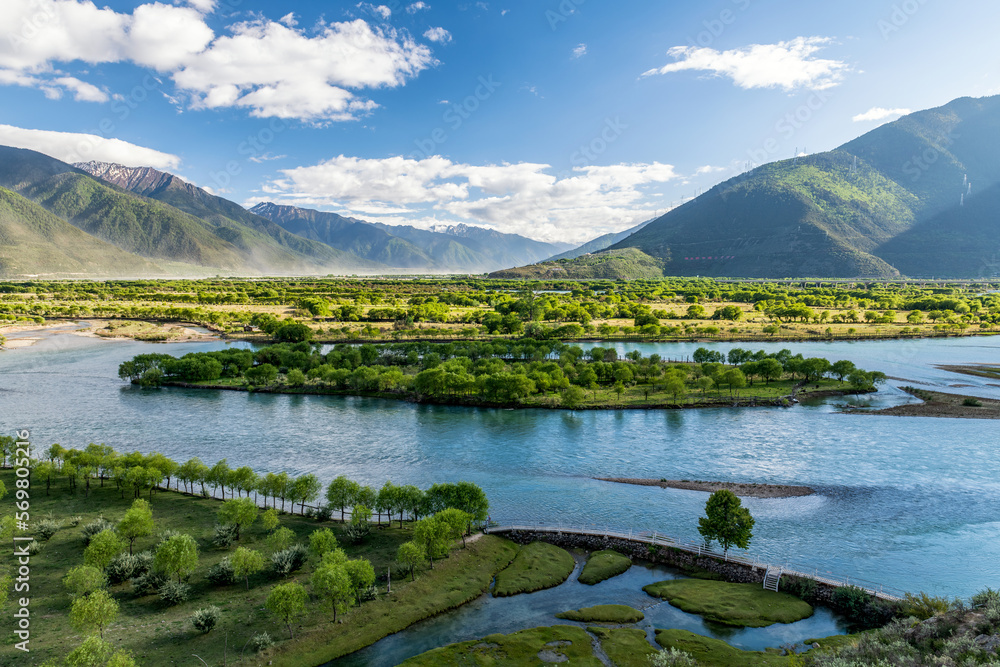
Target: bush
[
  {"x": 96, "y": 526},
  {"x": 804, "y": 589},
  {"x": 923, "y": 606},
  {"x": 148, "y": 583},
  {"x": 173, "y": 593},
  {"x": 128, "y": 566},
  {"x": 74, "y": 521},
  {"x": 166, "y": 535},
  {"x": 222, "y": 573},
  {"x": 356, "y": 533},
  {"x": 205, "y": 619},
  {"x": 261, "y": 642},
  {"x": 972, "y": 403},
  {"x": 291, "y": 559},
  {"x": 46, "y": 529},
  {"x": 225, "y": 536},
  {"x": 34, "y": 546},
  {"x": 861, "y": 608},
  {"x": 368, "y": 593}
]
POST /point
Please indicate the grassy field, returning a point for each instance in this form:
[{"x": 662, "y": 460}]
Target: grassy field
[
  {"x": 603, "y": 565},
  {"x": 560, "y": 643},
  {"x": 537, "y": 566},
  {"x": 717, "y": 653},
  {"x": 161, "y": 635},
  {"x": 626, "y": 647},
  {"x": 741, "y": 605},
  {"x": 604, "y": 613}
]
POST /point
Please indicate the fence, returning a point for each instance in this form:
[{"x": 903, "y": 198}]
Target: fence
[{"x": 699, "y": 549}]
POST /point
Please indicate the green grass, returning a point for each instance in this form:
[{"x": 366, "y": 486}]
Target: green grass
[
  {"x": 604, "y": 613},
  {"x": 161, "y": 635},
  {"x": 563, "y": 643},
  {"x": 603, "y": 565},
  {"x": 741, "y": 605},
  {"x": 537, "y": 566},
  {"x": 715, "y": 652},
  {"x": 626, "y": 647}
]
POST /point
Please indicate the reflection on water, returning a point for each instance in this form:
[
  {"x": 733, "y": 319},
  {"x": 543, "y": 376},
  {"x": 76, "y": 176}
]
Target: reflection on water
[{"x": 897, "y": 497}]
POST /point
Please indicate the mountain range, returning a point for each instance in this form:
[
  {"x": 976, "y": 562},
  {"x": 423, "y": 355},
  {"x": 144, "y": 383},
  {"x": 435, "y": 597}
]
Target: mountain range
[{"x": 919, "y": 196}]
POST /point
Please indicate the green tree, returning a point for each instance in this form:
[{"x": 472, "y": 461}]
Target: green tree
[
  {"x": 342, "y": 493},
  {"x": 305, "y": 489},
  {"x": 261, "y": 375},
  {"x": 771, "y": 369},
  {"x": 432, "y": 535},
  {"x": 218, "y": 476},
  {"x": 137, "y": 522},
  {"x": 177, "y": 555},
  {"x": 362, "y": 576},
  {"x": 103, "y": 548},
  {"x": 411, "y": 556},
  {"x": 83, "y": 580},
  {"x": 332, "y": 584},
  {"x": 239, "y": 512},
  {"x": 280, "y": 539},
  {"x": 726, "y": 521},
  {"x": 193, "y": 471},
  {"x": 322, "y": 541},
  {"x": 295, "y": 378},
  {"x": 95, "y": 652},
  {"x": 93, "y": 612},
  {"x": 456, "y": 520},
  {"x": 269, "y": 519},
  {"x": 246, "y": 562},
  {"x": 842, "y": 369},
  {"x": 287, "y": 601}
]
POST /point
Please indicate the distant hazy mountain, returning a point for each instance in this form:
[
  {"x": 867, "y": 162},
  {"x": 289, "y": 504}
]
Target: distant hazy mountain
[
  {"x": 917, "y": 196},
  {"x": 598, "y": 244},
  {"x": 458, "y": 248}
]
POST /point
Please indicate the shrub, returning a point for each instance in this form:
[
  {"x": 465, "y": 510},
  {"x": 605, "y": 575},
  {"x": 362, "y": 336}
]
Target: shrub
[
  {"x": 98, "y": 525},
  {"x": 923, "y": 606},
  {"x": 128, "y": 566},
  {"x": 75, "y": 521},
  {"x": 289, "y": 560},
  {"x": 861, "y": 608},
  {"x": 173, "y": 593},
  {"x": 356, "y": 533},
  {"x": 261, "y": 642},
  {"x": 804, "y": 589},
  {"x": 671, "y": 657},
  {"x": 34, "y": 546},
  {"x": 222, "y": 573},
  {"x": 225, "y": 536},
  {"x": 972, "y": 403},
  {"x": 166, "y": 535},
  {"x": 47, "y": 528},
  {"x": 148, "y": 583},
  {"x": 205, "y": 619},
  {"x": 368, "y": 593}
]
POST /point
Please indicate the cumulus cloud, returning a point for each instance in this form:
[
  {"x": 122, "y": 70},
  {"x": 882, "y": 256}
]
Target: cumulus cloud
[
  {"x": 880, "y": 113},
  {"x": 76, "y": 147},
  {"x": 248, "y": 67},
  {"x": 523, "y": 198},
  {"x": 416, "y": 7},
  {"x": 788, "y": 65},
  {"x": 439, "y": 35},
  {"x": 580, "y": 51}
]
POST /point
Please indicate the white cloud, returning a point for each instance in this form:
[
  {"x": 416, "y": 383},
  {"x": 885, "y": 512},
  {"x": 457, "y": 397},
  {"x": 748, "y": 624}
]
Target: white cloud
[
  {"x": 708, "y": 169},
  {"x": 880, "y": 113},
  {"x": 203, "y": 6},
  {"x": 289, "y": 20},
  {"x": 416, "y": 7},
  {"x": 580, "y": 51},
  {"x": 74, "y": 147},
  {"x": 524, "y": 198},
  {"x": 246, "y": 68},
  {"x": 439, "y": 35},
  {"x": 787, "y": 65}
]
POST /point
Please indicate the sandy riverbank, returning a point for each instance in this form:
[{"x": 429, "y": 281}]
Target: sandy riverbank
[
  {"x": 20, "y": 336},
  {"x": 745, "y": 490},
  {"x": 937, "y": 404}
]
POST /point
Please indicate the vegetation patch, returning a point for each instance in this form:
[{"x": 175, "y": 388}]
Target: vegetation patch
[
  {"x": 741, "y": 605},
  {"x": 604, "y": 613},
  {"x": 626, "y": 647},
  {"x": 557, "y": 644},
  {"x": 717, "y": 653},
  {"x": 603, "y": 565},
  {"x": 537, "y": 566}
]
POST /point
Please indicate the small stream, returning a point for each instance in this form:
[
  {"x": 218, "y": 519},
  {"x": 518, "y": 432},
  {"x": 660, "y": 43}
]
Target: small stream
[{"x": 488, "y": 615}]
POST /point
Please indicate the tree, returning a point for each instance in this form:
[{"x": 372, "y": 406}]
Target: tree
[
  {"x": 261, "y": 375},
  {"x": 103, "y": 548},
  {"x": 193, "y": 471},
  {"x": 726, "y": 521},
  {"x": 295, "y": 378},
  {"x": 304, "y": 489},
  {"x": 842, "y": 369},
  {"x": 287, "y": 601},
  {"x": 246, "y": 562},
  {"x": 293, "y": 333},
  {"x": 239, "y": 512},
  {"x": 735, "y": 379},
  {"x": 93, "y": 612},
  {"x": 332, "y": 583},
  {"x": 342, "y": 493},
  {"x": 432, "y": 535},
  {"x": 280, "y": 539},
  {"x": 178, "y": 555},
  {"x": 83, "y": 580},
  {"x": 269, "y": 519},
  {"x": 322, "y": 541},
  {"x": 218, "y": 476},
  {"x": 361, "y": 574},
  {"x": 456, "y": 520},
  {"x": 244, "y": 479},
  {"x": 770, "y": 369},
  {"x": 94, "y": 652},
  {"x": 137, "y": 522},
  {"x": 411, "y": 556}
]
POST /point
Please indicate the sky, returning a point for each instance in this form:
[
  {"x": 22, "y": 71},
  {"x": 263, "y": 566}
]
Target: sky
[{"x": 560, "y": 120}]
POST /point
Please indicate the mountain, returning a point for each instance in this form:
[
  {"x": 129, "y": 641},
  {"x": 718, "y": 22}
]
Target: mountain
[
  {"x": 598, "y": 244},
  {"x": 624, "y": 264},
  {"x": 918, "y": 196},
  {"x": 267, "y": 246},
  {"x": 457, "y": 248},
  {"x": 36, "y": 242}
]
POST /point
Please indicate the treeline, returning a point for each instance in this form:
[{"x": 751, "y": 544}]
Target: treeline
[{"x": 493, "y": 372}]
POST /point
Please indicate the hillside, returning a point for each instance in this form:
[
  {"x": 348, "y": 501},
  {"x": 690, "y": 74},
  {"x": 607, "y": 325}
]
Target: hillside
[
  {"x": 461, "y": 248},
  {"x": 598, "y": 244},
  {"x": 622, "y": 264},
  {"x": 36, "y": 242},
  {"x": 917, "y": 196}
]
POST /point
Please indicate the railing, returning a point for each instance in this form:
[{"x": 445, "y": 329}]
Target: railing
[{"x": 699, "y": 549}]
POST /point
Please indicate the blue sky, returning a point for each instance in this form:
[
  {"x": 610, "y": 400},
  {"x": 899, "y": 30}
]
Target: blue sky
[{"x": 559, "y": 120}]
